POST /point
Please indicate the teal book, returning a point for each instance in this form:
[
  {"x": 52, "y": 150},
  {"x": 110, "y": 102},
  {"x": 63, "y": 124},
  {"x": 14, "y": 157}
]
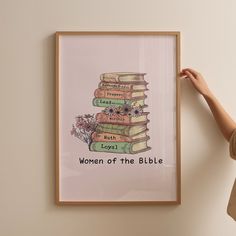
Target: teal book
[
  {"x": 105, "y": 102},
  {"x": 121, "y": 147}
]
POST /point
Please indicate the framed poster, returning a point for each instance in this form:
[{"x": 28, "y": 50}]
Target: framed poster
[{"x": 117, "y": 117}]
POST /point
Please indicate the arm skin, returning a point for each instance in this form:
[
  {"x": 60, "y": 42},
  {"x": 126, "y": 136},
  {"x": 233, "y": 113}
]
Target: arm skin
[{"x": 224, "y": 121}]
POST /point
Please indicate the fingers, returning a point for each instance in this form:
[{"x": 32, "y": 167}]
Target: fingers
[
  {"x": 192, "y": 71},
  {"x": 182, "y": 73},
  {"x": 186, "y": 73},
  {"x": 190, "y": 75}
]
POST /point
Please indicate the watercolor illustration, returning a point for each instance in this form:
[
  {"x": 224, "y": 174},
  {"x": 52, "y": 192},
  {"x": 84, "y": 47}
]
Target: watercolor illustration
[{"x": 121, "y": 126}]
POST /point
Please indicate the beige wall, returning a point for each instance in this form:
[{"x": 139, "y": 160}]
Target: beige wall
[{"x": 27, "y": 117}]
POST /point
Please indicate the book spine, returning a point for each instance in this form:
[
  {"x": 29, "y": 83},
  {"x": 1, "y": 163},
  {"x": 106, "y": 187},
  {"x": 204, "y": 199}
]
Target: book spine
[
  {"x": 109, "y": 137},
  {"x": 116, "y": 94},
  {"x": 104, "y": 102},
  {"x": 113, "y": 119},
  {"x": 124, "y": 87},
  {"x": 124, "y": 131},
  {"x": 114, "y": 147},
  {"x": 130, "y": 77},
  {"x": 109, "y": 77}
]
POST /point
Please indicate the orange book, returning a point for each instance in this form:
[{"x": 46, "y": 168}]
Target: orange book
[
  {"x": 108, "y": 93},
  {"x": 124, "y": 86},
  {"x": 122, "y": 119},
  {"x": 108, "y": 137}
]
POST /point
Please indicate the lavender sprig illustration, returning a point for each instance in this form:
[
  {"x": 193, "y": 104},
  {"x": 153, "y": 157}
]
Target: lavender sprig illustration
[{"x": 83, "y": 128}]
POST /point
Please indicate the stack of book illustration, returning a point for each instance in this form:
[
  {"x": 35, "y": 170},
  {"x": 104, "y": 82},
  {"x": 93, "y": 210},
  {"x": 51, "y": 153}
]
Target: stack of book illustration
[{"x": 122, "y": 122}]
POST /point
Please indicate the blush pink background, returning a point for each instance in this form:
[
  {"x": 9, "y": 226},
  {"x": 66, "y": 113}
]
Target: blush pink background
[{"x": 82, "y": 59}]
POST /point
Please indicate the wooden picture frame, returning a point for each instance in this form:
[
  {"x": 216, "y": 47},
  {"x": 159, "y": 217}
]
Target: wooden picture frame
[{"x": 118, "y": 118}]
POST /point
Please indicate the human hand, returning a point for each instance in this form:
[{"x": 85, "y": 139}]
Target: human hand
[{"x": 197, "y": 80}]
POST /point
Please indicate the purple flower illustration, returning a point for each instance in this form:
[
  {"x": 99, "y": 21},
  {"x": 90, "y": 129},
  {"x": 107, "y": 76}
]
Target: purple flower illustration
[
  {"x": 136, "y": 111},
  {"x": 126, "y": 109},
  {"x": 111, "y": 110},
  {"x": 84, "y": 127}
]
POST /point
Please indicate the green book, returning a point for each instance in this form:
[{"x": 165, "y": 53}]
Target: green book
[
  {"x": 127, "y": 130},
  {"x": 120, "y": 147},
  {"x": 105, "y": 102}
]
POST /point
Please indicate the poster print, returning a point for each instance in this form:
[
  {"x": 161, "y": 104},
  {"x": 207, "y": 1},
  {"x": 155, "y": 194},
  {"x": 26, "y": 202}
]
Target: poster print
[
  {"x": 121, "y": 126},
  {"x": 117, "y": 117}
]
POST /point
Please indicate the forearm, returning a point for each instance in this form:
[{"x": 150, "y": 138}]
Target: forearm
[{"x": 223, "y": 119}]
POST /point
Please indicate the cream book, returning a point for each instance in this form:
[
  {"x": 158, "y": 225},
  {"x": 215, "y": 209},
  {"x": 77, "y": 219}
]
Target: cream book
[{"x": 122, "y": 77}]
